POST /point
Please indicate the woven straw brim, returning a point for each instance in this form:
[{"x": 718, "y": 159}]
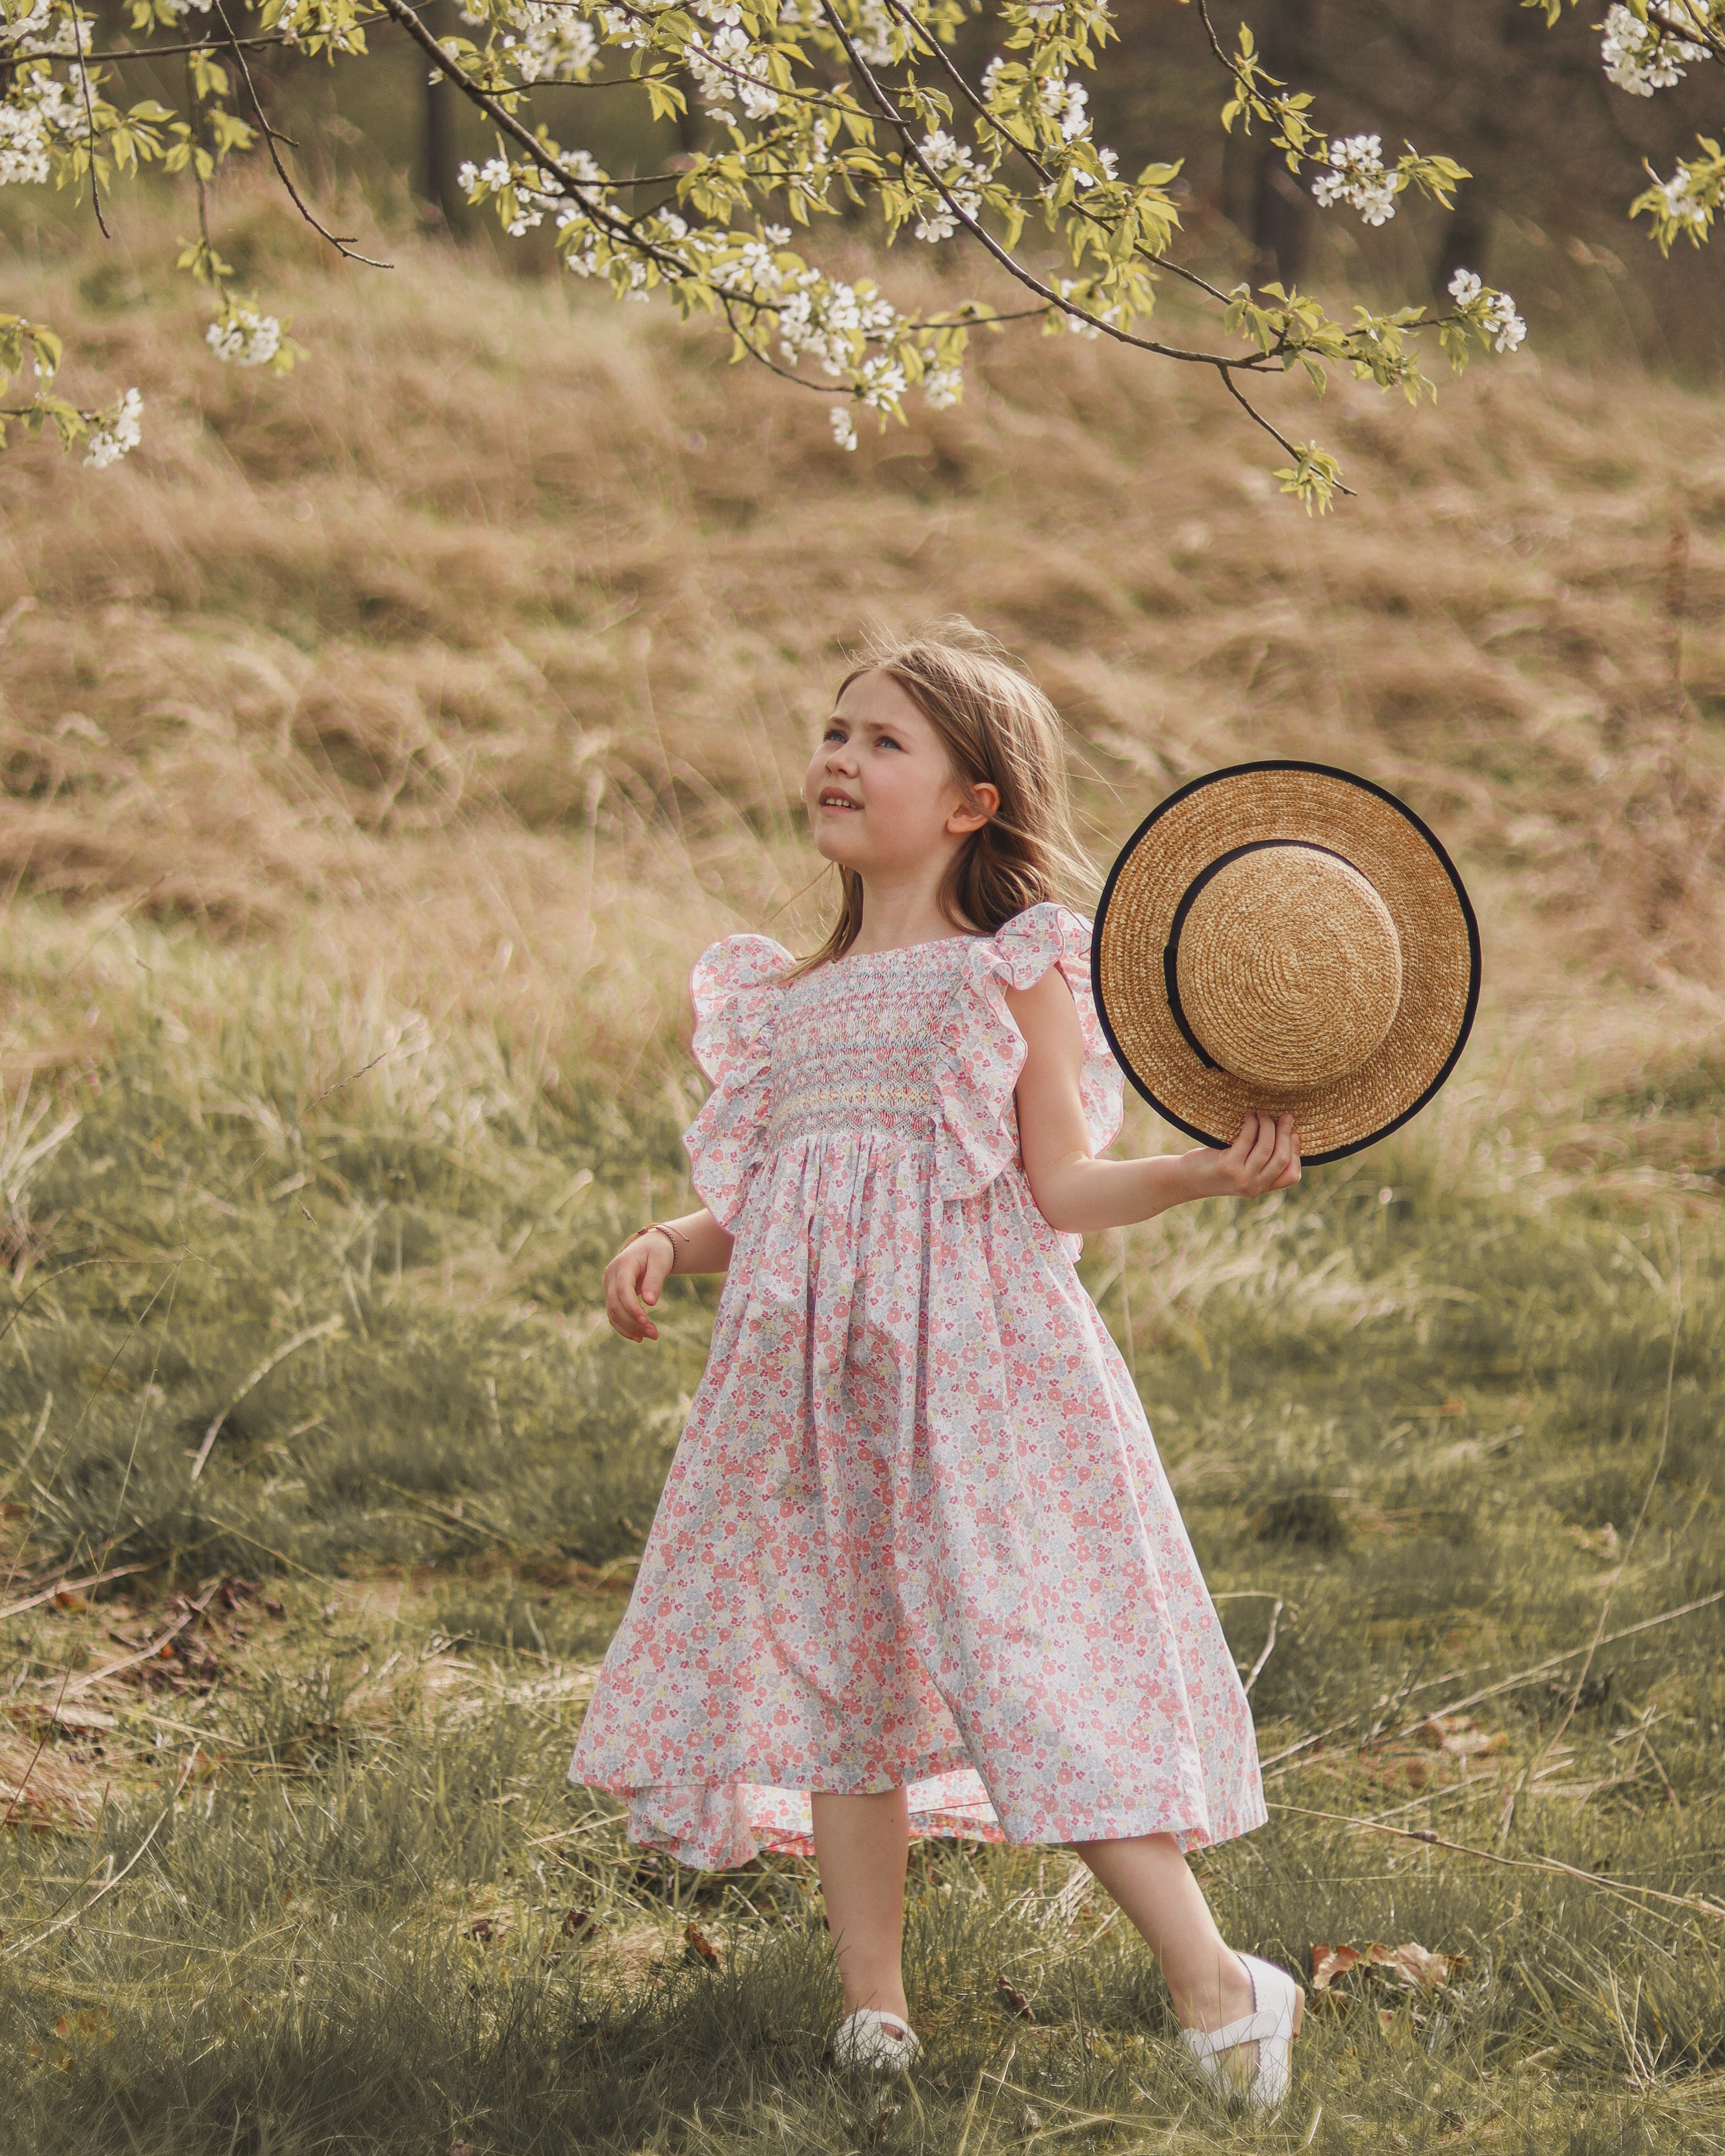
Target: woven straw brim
[{"x": 1313, "y": 805}]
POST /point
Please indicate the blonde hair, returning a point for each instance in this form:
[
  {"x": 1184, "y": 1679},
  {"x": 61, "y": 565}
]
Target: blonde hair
[{"x": 1000, "y": 729}]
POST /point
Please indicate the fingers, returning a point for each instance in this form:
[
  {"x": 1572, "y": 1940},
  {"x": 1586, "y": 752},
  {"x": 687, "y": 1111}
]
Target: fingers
[
  {"x": 633, "y": 1280},
  {"x": 1284, "y": 1161},
  {"x": 1266, "y": 1154}
]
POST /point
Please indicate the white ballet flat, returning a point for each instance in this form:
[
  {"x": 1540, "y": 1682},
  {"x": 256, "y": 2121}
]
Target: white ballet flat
[
  {"x": 1259, "y": 2078},
  {"x": 870, "y": 2038}
]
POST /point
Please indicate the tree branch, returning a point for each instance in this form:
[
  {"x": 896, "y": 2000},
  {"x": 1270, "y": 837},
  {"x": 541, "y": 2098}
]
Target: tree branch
[
  {"x": 938, "y": 53},
  {"x": 1258, "y": 419},
  {"x": 506, "y": 124},
  {"x": 1253, "y": 363},
  {"x": 341, "y": 245}
]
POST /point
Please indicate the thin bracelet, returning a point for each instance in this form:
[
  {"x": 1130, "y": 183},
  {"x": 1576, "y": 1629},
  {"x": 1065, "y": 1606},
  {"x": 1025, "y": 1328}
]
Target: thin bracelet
[{"x": 661, "y": 1228}]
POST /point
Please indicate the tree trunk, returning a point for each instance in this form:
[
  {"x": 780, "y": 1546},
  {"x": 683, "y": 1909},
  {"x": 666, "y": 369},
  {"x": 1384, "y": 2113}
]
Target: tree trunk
[
  {"x": 439, "y": 191},
  {"x": 1282, "y": 207},
  {"x": 1467, "y": 236}
]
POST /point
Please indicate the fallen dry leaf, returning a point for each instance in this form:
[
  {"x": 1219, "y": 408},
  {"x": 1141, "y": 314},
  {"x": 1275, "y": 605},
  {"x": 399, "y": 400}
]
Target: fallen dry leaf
[
  {"x": 1459, "y": 1737},
  {"x": 1414, "y": 1965},
  {"x": 700, "y": 1946},
  {"x": 1014, "y": 2000},
  {"x": 1417, "y": 1967}
]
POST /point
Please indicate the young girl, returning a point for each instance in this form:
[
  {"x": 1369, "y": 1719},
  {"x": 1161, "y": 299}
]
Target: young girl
[{"x": 917, "y": 1556}]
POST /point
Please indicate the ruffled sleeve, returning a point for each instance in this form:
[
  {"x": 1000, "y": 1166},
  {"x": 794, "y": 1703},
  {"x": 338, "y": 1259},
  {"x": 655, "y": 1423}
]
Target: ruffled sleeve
[
  {"x": 979, "y": 1136},
  {"x": 735, "y": 987}
]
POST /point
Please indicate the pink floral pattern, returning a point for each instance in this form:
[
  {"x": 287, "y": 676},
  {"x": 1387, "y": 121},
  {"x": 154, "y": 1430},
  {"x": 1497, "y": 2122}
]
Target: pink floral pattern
[{"x": 916, "y": 1532}]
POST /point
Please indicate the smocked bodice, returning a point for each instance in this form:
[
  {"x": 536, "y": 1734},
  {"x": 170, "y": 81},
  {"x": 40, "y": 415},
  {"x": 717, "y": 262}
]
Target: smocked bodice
[{"x": 859, "y": 1046}]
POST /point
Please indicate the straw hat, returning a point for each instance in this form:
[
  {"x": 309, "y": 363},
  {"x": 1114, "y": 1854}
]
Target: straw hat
[{"x": 1286, "y": 936}]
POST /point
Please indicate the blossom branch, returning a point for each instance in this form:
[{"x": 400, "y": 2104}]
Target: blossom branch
[{"x": 1008, "y": 261}]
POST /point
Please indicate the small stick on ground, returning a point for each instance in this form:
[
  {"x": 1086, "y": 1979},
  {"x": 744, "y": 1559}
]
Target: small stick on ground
[
  {"x": 300, "y": 1340},
  {"x": 1694, "y": 1904}
]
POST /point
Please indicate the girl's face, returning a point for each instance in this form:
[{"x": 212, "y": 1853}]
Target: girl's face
[{"x": 883, "y": 798}]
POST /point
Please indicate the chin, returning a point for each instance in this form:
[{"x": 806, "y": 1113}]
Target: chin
[{"x": 830, "y": 845}]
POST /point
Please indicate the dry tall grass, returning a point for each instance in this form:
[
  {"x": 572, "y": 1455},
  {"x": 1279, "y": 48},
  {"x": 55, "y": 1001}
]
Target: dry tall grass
[{"x": 476, "y": 662}]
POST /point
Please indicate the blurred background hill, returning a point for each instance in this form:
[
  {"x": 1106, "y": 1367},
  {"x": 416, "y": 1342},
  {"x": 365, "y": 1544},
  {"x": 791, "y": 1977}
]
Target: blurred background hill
[{"x": 511, "y": 608}]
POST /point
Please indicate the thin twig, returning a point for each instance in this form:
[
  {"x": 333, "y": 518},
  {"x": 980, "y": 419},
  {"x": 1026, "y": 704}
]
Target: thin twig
[
  {"x": 341, "y": 244},
  {"x": 1693, "y": 1903},
  {"x": 96, "y": 192},
  {"x": 150, "y": 1653},
  {"x": 300, "y": 1340},
  {"x": 68, "y": 1587},
  {"x": 1279, "y": 1761},
  {"x": 1257, "y": 418},
  {"x": 1265, "y": 1651}
]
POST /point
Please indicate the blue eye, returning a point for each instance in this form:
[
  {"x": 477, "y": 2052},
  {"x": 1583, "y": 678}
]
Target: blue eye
[{"x": 887, "y": 741}]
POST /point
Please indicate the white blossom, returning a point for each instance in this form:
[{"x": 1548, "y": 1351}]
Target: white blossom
[
  {"x": 242, "y": 337},
  {"x": 844, "y": 426},
  {"x": 825, "y": 319},
  {"x": 942, "y": 386},
  {"x": 729, "y": 67},
  {"x": 1506, "y": 324},
  {"x": 40, "y": 111},
  {"x": 23, "y": 146},
  {"x": 1109, "y": 160},
  {"x": 1639, "y": 57},
  {"x": 550, "y": 44},
  {"x": 1064, "y": 101},
  {"x": 1357, "y": 177},
  {"x": 883, "y": 382},
  {"x": 51, "y": 29},
  {"x": 951, "y": 162},
  {"x": 1494, "y": 311},
  {"x": 1681, "y": 206},
  {"x": 26, "y": 29},
  {"x": 120, "y": 430},
  {"x": 872, "y": 34}
]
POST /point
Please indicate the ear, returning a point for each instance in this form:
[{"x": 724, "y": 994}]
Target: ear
[{"x": 981, "y": 805}]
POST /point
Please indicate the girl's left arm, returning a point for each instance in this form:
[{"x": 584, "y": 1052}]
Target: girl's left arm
[{"x": 1077, "y": 1193}]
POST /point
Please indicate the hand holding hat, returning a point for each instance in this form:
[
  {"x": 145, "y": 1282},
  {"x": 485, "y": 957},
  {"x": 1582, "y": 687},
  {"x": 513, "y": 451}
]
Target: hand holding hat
[{"x": 1288, "y": 938}]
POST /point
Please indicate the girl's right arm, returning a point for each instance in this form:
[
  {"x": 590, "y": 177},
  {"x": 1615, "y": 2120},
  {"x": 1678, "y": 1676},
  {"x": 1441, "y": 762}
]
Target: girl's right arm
[{"x": 695, "y": 1244}]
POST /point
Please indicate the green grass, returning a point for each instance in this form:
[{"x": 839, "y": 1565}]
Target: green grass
[{"x": 307, "y": 1884}]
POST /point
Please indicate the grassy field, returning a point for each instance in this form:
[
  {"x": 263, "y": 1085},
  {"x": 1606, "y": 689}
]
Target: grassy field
[{"x": 378, "y": 749}]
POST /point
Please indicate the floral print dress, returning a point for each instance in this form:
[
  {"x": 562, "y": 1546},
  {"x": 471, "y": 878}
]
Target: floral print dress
[{"x": 916, "y": 1532}]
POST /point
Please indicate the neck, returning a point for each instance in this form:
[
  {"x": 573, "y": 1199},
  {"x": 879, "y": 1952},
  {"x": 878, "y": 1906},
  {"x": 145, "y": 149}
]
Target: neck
[{"x": 897, "y": 910}]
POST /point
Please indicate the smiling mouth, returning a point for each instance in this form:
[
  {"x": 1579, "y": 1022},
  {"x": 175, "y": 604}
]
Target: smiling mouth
[{"x": 839, "y": 801}]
